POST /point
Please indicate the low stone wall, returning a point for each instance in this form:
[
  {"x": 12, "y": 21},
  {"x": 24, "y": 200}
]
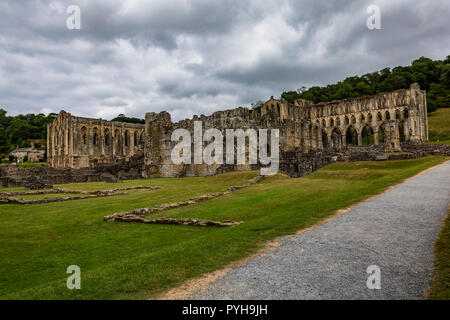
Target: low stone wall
[
  {"x": 43, "y": 177},
  {"x": 183, "y": 221},
  {"x": 8, "y": 197},
  {"x": 139, "y": 214}
]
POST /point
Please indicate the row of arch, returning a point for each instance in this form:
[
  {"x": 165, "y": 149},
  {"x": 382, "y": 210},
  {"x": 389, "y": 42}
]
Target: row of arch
[
  {"x": 364, "y": 105},
  {"x": 362, "y": 118},
  {"x": 108, "y": 138}
]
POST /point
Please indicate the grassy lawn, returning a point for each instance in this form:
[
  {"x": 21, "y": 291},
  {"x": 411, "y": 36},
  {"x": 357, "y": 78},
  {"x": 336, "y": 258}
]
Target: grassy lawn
[
  {"x": 440, "y": 285},
  {"x": 439, "y": 126},
  {"x": 136, "y": 261},
  {"x": 29, "y": 165}
]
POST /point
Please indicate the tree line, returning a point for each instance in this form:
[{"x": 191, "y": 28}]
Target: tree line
[{"x": 432, "y": 76}]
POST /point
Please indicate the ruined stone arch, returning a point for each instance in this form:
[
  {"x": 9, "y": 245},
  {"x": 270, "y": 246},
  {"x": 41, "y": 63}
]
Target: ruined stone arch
[
  {"x": 83, "y": 133},
  {"x": 367, "y": 135},
  {"x": 324, "y": 124},
  {"x": 107, "y": 137},
  {"x": 405, "y": 113},
  {"x": 126, "y": 136},
  {"x": 387, "y": 115},
  {"x": 331, "y": 122},
  {"x": 346, "y": 121},
  {"x": 369, "y": 117},
  {"x": 324, "y": 139},
  {"x": 379, "y": 116},
  {"x": 135, "y": 138},
  {"x": 336, "y": 138},
  {"x": 353, "y": 119},
  {"x": 95, "y": 137},
  {"x": 398, "y": 115},
  {"x": 351, "y": 136},
  {"x": 362, "y": 119},
  {"x": 338, "y": 122},
  {"x": 382, "y": 133}
]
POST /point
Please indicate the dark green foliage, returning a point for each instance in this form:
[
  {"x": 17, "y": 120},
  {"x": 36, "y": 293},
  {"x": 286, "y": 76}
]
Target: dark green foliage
[
  {"x": 16, "y": 130},
  {"x": 123, "y": 118},
  {"x": 433, "y": 76}
]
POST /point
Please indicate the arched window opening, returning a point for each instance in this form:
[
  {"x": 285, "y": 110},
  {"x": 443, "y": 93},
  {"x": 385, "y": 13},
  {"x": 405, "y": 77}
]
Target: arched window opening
[
  {"x": 127, "y": 138},
  {"x": 351, "y": 136},
  {"x": 368, "y": 136}
]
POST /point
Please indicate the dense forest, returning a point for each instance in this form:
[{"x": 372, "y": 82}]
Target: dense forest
[{"x": 433, "y": 76}]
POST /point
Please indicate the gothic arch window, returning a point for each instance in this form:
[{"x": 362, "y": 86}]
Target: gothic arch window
[
  {"x": 363, "y": 119},
  {"x": 331, "y": 122},
  {"x": 387, "y": 115},
  {"x": 346, "y": 121},
  {"x": 95, "y": 137},
  {"x": 397, "y": 114},
  {"x": 379, "y": 116},
  {"x": 117, "y": 137},
  {"x": 107, "y": 137},
  {"x": 127, "y": 138},
  {"x": 135, "y": 138},
  {"x": 338, "y": 121},
  {"x": 351, "y": 136},
  {"x": 83, "y": 135},
  {"x": 367, "y": 135},
  {"x": 370, "y": 118},
  {"x": 353, "y": 120}
]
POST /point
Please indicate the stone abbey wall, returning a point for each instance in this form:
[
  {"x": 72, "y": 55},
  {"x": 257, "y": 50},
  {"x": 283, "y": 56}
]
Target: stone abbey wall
[
  {"x": 383, "y": 120},
  {"x": 75, "y": 142}
]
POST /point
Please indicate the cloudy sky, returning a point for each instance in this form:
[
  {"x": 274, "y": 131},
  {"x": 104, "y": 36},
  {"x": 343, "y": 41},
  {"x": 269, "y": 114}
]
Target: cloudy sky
[{"x": 198, "y": 56}]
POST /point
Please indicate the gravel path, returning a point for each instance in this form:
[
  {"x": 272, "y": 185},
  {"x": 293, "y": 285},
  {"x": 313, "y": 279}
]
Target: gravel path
[{"x": 395, "y": 231}]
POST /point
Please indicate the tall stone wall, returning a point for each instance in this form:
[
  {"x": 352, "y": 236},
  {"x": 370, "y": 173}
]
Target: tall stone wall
[{"x": 75, "y": 142}]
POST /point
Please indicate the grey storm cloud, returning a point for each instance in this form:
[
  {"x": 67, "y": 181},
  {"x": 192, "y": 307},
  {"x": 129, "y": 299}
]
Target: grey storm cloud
[{"x": 198, "y": 56}]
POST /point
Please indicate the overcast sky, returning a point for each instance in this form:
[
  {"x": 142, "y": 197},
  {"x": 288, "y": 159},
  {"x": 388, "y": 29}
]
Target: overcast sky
[{"x": 196, "y": 57}]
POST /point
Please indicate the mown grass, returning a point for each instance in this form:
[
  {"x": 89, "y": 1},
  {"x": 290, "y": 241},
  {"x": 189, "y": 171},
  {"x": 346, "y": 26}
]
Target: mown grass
[
  {"x": 135, "y": 261},
  {"x": 29, "y": 165},
  {"x": 440, "y": 284},
  {"x": 439, "y": 126}
]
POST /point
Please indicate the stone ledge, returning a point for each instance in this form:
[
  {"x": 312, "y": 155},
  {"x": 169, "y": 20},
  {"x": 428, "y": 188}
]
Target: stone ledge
[{"x": 182, "y": 221}]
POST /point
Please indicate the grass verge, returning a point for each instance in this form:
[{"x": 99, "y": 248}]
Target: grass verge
[{"x": 440, "y": 284}]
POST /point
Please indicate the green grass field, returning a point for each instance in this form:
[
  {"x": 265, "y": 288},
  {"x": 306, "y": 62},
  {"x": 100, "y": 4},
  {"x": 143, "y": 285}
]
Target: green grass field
[
  {"x": 137, "y": 261},
  {"x": 439, "y": 126},
  {"x": 440, "y": 285}
]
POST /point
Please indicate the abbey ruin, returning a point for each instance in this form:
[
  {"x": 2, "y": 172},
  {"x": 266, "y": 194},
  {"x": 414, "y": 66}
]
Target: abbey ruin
[{"x": 383, "y": 120}]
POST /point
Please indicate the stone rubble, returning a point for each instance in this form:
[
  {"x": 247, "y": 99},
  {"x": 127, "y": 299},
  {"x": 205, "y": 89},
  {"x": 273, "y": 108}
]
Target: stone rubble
[
  {"x": 138, "y": 215},
  {"x": 8, "y": 197}
]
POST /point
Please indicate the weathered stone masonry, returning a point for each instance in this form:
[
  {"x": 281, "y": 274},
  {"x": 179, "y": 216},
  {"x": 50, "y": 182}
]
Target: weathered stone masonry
[
  {"x": 75, "y": 142},
  {"x": 308, "y": 131}
]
